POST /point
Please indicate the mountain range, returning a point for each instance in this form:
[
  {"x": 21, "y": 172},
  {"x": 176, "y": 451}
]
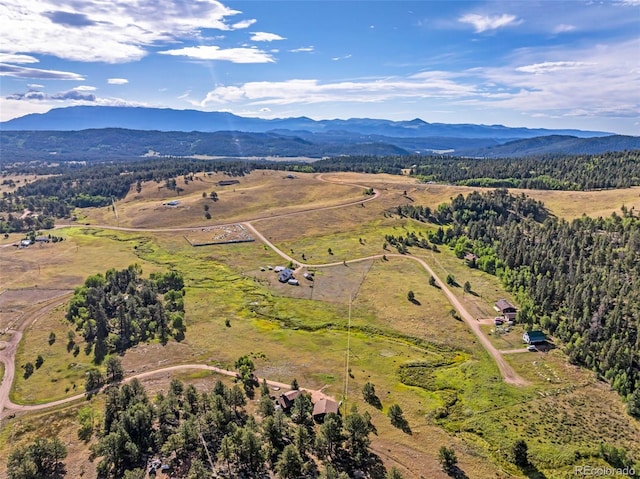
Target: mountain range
[{"x": 91, "y": 132}]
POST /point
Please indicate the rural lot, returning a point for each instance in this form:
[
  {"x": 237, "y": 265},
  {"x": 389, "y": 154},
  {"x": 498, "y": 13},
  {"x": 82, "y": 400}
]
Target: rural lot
[{"x": 346, "y": 322}]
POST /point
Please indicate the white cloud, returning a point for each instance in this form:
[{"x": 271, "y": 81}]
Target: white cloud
[
  {"x": 265, "y": 37},
  {"x": 213, "y": 52},
  {"x": 545, "y": 67},
  {"x": 243, "y": 24},
  {"x": 598, "y": 81},
  {"x": 304, "y": 91},
  {"x": 84, "y": 88},
  {"x": 302, "y": 49},
  {"x": 601, "y": 81},
  {"x": 346, "y": 57},
  {"x": 483, "y": 23},
  {"x": 112, "y": 32},
  {"x": 64, "y": 95},
  {"x": 564, "y": 28},
  {"x": 14, "y": 58},
  {"x": 35, "y": 85},
  {"x": 117, "y": 81},
  {"x": 24, "y": 72}
]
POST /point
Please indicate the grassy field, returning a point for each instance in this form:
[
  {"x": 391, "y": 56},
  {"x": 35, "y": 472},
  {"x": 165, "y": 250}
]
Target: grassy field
[{"x": 416, "y": 354}]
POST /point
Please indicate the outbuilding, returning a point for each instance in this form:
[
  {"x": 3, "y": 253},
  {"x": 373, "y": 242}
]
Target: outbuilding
[{"x": 534, "y": 337}]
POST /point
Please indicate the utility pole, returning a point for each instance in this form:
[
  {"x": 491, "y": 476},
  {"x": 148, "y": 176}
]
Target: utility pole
[{"x": 346, "y": 373}]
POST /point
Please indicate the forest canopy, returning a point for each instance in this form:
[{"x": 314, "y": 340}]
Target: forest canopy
[{"x": 118, "y": 310}]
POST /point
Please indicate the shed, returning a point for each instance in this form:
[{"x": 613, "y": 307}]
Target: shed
[{"x": 534, "y": 337}]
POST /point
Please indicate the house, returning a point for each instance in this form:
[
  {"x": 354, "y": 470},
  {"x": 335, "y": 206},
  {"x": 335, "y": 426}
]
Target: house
[
  {"x": 322, "y": 407},
  {"x": 293, "y": 282},
  {"x": 285, "y": 401},
  {"x": 24, "y": 243},
  {"x": 534, "y": 337},
  {"x": 285, "y": 275},
  {"x": 42, "y": 239},
  {"x": 227, "y": 182},
  {"x": 277, "y": 269},
  {"x": 507, "y": 309}
]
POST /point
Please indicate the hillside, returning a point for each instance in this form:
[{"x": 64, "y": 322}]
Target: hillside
[
  {"x": 119, "y": 143},
  {"x": 557, "y": 144}
]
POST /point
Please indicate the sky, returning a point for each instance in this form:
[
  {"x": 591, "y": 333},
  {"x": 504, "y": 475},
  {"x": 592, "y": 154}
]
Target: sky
[{"x": 539, "y": 64}]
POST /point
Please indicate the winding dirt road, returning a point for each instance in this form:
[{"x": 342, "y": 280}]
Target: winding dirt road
[
  {"x": 7, "y": 354},
  {"x": 9, "y": 348}
]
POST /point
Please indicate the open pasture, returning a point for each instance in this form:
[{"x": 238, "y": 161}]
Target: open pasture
[
  {"x": 258, "y": 194},
  {"x": 415, "y": 353}
]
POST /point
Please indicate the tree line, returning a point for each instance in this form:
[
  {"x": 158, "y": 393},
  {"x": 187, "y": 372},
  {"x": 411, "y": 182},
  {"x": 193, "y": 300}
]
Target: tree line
[
  {"x": 544, "y": 172},
  {"x": 579, "y": 280}
]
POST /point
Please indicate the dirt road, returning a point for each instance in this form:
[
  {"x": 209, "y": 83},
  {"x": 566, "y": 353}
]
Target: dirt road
[
  {"x": 7, "y": 354},
  {"x": 11, "y": 408}
]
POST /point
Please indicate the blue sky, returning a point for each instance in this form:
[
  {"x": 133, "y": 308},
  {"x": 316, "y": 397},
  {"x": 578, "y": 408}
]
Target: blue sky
[{"x": 553, "y": 64}]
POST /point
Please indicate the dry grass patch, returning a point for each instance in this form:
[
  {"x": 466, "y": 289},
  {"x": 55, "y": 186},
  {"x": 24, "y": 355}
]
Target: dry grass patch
[
  {"x": 84, "y": 251},
  {"x": 11, "y": 182},
  {"x": 262, "y": 193},
  {"x": 62, "y": 373},
  {"x": 573, "y": 204}
]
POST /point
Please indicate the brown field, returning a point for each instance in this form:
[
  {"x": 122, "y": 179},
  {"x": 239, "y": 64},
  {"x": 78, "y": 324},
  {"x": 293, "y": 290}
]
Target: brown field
[
  {"x": 259, "y": 194},
  {"x": 235, "y": 306}
]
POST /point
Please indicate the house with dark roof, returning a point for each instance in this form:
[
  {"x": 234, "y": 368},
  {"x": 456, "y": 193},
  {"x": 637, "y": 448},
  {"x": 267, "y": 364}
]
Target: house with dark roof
[
  {"x": 534, "y": 337},
  {"x": 286, "y": 400},
  {"x": 322, "y": 407},
  {"x": 507, "y": 309},
  {"x": 285, "y": 275}
]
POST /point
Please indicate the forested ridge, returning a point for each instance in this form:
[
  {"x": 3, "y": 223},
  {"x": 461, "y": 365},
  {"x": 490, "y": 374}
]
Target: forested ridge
[
  {"x": 579, "y": 280},
  {"x": 120, "y": 309},
  {"x": 547, "y": 172},
  {"x": 75, "y": 185}
]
